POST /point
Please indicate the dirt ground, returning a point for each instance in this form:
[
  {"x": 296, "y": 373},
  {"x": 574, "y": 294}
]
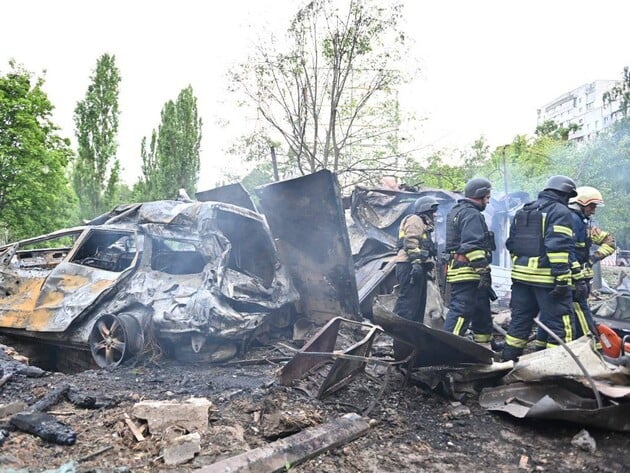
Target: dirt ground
[{"x": 414, "y": 429}]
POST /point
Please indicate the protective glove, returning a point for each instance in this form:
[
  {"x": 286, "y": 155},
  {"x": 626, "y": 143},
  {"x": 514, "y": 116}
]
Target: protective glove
[
  {"x": 581, "y": 290},
  {"x": 560, "y": 289},
  {"x": 424, "y": 255},
  {"x": 417, "y": 272},
  {"x": 485, "y": 279}
]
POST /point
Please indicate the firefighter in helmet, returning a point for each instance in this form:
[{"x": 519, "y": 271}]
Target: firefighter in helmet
[
  {"x": 470, "y": 246},
  {"x": 542, "y": 247},
  {"x": 415, "y": 260},
  {"x": 583, "y": 206}
]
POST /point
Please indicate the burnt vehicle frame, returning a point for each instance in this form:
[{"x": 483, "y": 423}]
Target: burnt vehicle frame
[{"x": 201, "y": 279}]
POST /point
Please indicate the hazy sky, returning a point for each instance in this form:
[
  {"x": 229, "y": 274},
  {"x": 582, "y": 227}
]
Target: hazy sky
[{"x": 487, "y": 65}]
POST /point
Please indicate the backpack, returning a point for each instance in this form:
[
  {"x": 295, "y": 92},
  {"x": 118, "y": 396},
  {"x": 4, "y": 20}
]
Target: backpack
[{"x": 527, "y": 231}]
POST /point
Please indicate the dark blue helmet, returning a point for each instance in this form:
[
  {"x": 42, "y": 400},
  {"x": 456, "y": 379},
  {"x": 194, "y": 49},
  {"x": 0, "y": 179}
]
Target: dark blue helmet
[
  {"x": 561, "y": 184},
  {"x": 425, "y": 204},
  {"x": 477, "y": 188}
]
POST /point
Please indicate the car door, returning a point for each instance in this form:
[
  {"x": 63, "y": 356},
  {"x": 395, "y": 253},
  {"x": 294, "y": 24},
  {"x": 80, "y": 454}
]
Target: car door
[{"x": 49, "y": 301}]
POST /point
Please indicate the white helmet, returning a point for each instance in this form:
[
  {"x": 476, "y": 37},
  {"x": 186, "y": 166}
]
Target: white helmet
[{"x": 587, "y": 195}]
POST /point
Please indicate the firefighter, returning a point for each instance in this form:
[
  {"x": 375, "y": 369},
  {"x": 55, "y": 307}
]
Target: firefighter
[
  {"x": 583, "y": 206},
  {"x": 470, "y": 246},
  {"x": 541, "y": 243},
  {"x": 415, "y": 260}
]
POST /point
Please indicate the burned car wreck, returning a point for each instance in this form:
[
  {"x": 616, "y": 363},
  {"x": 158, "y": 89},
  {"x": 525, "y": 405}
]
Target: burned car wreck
[{"x": 199, "y": 280}]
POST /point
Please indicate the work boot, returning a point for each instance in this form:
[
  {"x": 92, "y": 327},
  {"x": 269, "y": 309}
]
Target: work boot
[
  {"x": 496, "y": 345},
  {"x": 511, "y": 353}
]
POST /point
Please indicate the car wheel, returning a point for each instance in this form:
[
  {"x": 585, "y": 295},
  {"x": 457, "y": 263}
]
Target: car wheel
[{"x": 114, "y": 338}]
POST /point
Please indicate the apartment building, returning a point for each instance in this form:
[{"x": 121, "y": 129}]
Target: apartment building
[{"x": 583, "y": 106}]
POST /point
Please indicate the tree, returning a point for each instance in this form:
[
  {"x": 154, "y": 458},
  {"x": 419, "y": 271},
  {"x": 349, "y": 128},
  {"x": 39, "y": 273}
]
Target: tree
[
  {"x": 604, "y": 164},
  {"x": 329, "y": 96},
  {"x": 170, "y": 161},
  {"x": 621, "y": 93},
  {"x": 35, "y": 195},
  {"x": 438, "y": 173},
  {"x": 96, "y": 171},
  {"x": 552, "y": 129}
]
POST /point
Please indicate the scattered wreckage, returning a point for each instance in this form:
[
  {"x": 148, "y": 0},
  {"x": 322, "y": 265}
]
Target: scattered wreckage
[
  {"x": 205, "y": 279},
  {"x": 201, "y": 280}
]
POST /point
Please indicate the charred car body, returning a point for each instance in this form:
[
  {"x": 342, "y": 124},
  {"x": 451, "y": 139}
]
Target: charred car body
[{"x": 197, "y": 278}]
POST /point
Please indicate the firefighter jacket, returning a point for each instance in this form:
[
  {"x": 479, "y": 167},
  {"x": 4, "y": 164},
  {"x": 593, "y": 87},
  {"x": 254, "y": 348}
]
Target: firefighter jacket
[
  {"x": 585, "y": 235},
  {"x": 468, "y": 241},
  {"x": 557, "y": 247},
  {"x": 415, "y": 240}
]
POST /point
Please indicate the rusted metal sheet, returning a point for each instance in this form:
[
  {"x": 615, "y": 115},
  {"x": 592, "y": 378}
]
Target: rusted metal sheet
[
  {"x": 558, "y": 401},
  {"x": 323, "y": 341},
  {"x": 321, "y": 349},
  {"x": 51, "y": 304},
  {"x": 433, "y": 347},
  {"x": 306, "y": 217},
  {"x": 231, "y": 194},
  {"x": 344, "y": 369}
]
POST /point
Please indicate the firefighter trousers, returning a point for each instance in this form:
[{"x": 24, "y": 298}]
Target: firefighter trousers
[
  {"x": 583, "y": 322},
  {"x": 526, "y": 302},
  {"x": 412, "y": 293},
  {"x": 469, "y": 306}
]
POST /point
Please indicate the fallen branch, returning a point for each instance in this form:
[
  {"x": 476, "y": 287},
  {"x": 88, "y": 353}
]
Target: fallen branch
[
  {"x": 256, "y": 361},
  {"x": 50, "y": 399},
  {"x": 94, "y": 454},
  {"x": 290, "y": 451}
]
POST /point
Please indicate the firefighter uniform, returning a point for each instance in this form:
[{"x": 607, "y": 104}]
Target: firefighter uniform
[
  {"x": 470, "y": 245},
  {"x": 415, "y": 262},
  {"x": 585, "y": 236},
  {"x": 541, "y": 242}
]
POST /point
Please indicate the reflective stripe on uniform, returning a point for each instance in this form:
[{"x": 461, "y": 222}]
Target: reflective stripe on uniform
[
  {"x": 558, "y": 257},
  {"x": 458, "y": 325},
  {"x": 563, "y": 229},
  {"x": 568, "y": 328},
  {"x": 579, "y": 313},
  {"x": 482, "y": 337},
  {"x": 515, "y": 342},
  {"x": 475, "y": 254}
]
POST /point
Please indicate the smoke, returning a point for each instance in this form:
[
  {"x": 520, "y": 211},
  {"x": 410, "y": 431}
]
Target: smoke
[{"x": 603, "y": 163}]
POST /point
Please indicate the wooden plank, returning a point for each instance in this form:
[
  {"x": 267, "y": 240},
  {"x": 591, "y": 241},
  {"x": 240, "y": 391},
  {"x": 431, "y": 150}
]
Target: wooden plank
[
  {"x": 290, "y": 451},
  {"x": 135, "y": 430}
]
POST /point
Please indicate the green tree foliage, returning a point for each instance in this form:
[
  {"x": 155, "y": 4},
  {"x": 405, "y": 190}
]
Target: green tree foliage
[
  {"x": 96, "y": 171},
  {"x": 170, "y": 160},
  {"x": 35, "y": 196},
  {"x": 262, "y": 174},
  {"x": 551, "y": 129},
  {"x": 604, "y": 163},
  {"x": 620, "y": 93},
  {"x": 438, "y": 173},
  {"x": 328, "y": 94}
]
